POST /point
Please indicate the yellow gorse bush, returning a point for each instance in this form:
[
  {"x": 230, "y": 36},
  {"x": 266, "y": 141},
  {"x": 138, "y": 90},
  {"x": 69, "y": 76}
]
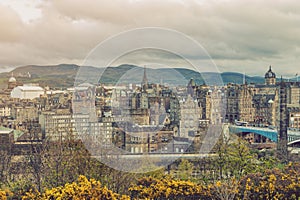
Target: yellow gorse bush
[
  {"x": 151, "y": 188},
  {"x": 78, "y": 190},
  {"x": 272, "y": 184},
  {"x": 4, "y": 194}
]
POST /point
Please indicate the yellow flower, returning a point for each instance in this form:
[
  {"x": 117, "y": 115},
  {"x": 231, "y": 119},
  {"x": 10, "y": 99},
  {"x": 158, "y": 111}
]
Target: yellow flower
[{"x": 218, "y": 184}]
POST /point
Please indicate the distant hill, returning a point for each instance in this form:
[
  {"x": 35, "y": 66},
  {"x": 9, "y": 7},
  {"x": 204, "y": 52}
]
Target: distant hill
[
  {"x": 63, "y": 75},
  {"x": 233, "y": 77},
  {"x": 47, "y": 70},
  {"x": 52, "y": 75}
]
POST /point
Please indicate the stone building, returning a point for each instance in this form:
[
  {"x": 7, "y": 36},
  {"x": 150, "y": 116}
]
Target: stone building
[
  {"x": 265, "y": 109},
  {"x": 24, "y": 111},
  {"x": 204, "y": 101},
  {"x": 239, "y": 103},
  {"x": 212, "y": 103},
  {"x": 218, "y": 105},
  {"x": 294, "y": 117},
  {"x": 5, "y": 110},
  {"x": 189, "y": 117},
  {"x": 255, "y": 104},
  {"x": 293, "y": 93},
  {"x": 62, "y": 124},
  {"x": 6, "y": 136}
]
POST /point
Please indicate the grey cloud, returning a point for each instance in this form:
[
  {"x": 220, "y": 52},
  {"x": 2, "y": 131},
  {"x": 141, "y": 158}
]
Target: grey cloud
[
  {"x": 239, "y": 35},
  {"x": 11, "y": 25}
]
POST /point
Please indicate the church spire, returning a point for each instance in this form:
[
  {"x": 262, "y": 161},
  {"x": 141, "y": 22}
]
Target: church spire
[{"x": 145, "y": 80}]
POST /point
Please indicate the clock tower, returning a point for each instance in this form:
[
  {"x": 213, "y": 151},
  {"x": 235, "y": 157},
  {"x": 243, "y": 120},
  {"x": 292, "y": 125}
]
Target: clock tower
[{"x": 270, "y": 77}]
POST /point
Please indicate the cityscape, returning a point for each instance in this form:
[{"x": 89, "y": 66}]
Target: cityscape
[
  {"x": 149, "y": 100},
  {"x": 140, "y": 118},
  {"x": 152, "y": 119}
]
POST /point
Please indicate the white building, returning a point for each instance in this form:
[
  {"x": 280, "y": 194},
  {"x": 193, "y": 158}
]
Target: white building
[{"x": 27, "y": 92}]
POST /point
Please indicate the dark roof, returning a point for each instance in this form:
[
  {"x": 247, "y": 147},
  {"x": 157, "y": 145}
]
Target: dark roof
[{"x": 270, "y": 73}]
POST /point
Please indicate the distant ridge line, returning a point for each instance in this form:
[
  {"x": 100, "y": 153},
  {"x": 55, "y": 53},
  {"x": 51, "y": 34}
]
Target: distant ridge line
[{"x": 63, "y": 75}]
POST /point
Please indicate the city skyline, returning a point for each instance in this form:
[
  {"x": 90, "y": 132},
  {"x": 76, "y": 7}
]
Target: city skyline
[
  {"x": 149, "y": 99},
  {"x": 239, "y": 36}
]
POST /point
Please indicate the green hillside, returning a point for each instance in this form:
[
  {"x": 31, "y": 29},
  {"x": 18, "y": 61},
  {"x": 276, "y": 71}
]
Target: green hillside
[{"x": 64, "y": 75}]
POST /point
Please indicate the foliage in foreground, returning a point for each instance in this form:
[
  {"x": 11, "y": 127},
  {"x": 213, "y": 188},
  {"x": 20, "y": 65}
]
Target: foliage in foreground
[
  {"x": 80, "y": 189},
  {"x": 5, "y": 194},
  {"x": 273, "y": 184},
  {"x": 151, "y": 188},
  {"x": 51, "y": 172}
]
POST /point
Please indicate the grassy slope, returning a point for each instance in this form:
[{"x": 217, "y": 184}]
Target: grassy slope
[{"x": 64, "y": 75}]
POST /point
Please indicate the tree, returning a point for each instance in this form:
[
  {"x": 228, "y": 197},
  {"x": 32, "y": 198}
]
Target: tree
[
  {"x": 225, "y": 189},
  {"x": 233, "y": 159},
  {"x": 239, "y": 157},
  {"x": 5, "y": 163},
  {"x": 185, "y": 169},
  {"x": 66, "y": 160},
  {"x": 34, "y": 157}
]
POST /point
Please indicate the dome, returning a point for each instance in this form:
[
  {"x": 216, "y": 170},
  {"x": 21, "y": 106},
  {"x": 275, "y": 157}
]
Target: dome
[
  {"x": 270, "y": 73},
  {"x": 12, "y": 80}
]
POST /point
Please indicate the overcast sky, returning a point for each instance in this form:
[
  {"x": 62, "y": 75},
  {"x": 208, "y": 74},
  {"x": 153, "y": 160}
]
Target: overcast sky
[{"x": 239, "y": 35}]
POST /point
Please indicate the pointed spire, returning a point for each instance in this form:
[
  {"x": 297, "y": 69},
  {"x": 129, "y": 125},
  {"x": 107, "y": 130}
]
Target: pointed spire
[{"x": 145, "y": 80}]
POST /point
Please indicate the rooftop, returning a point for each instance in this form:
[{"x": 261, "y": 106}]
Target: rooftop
[{"x": 30, "y": 88}]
